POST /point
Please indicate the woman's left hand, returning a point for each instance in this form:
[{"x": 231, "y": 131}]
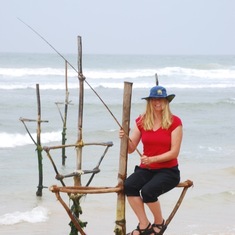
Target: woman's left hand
[{"x": 145, "y": 160}]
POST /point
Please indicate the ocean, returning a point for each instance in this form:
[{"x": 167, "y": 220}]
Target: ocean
[{"x": 205, "y": 101}]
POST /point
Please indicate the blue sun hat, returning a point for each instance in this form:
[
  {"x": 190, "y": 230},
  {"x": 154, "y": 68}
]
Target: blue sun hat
[{"x": 158, "y": 92}]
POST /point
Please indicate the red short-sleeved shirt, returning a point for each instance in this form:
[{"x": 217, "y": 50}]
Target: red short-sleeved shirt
[{"x": 158, "y": 142}]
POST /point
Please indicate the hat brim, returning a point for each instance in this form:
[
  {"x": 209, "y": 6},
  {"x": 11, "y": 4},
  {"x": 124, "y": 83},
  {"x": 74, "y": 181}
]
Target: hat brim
[{"x": 169, "y": 97}]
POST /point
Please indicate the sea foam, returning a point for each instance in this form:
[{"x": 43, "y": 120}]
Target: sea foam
[{"x": 36, "y": 215}]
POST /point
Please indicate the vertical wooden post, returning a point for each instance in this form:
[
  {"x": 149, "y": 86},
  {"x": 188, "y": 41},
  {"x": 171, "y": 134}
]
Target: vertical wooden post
[
  {"x": 39, "y": 148},
  {"x": 76, "y": 209},
  {"x": 65, "y": 113},
  {"x": 77, "y": 179},
  {"x": 120, "y": 228}
]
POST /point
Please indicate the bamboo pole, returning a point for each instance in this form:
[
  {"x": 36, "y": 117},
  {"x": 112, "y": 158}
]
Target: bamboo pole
[
  {"x": 39, "y": 148},
  {"x": 120, "y": 228}
]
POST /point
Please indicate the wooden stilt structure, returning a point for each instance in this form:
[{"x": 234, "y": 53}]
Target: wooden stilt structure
[
  {"x": 76, "y": 191},
  {"x": 120, "y": 227}
]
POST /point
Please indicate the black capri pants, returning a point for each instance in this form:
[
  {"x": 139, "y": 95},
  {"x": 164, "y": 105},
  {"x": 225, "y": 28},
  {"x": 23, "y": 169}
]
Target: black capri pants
[{"x": 151, "y": 183}]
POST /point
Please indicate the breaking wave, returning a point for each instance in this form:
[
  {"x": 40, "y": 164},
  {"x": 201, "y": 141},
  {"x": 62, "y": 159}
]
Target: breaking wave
[{"x": 11, "y": 140}]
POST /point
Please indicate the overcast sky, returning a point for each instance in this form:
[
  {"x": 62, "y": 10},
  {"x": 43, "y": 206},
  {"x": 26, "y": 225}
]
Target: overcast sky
[{"x": 121, "y": 26}]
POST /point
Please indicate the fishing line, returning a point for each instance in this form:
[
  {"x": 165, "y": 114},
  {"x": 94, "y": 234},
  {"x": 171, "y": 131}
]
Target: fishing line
[{"x": 80, "y": 75}]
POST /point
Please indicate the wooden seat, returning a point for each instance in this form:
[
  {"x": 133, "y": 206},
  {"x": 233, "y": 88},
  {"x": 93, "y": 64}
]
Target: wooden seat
[{"x": 118, "y": 189}]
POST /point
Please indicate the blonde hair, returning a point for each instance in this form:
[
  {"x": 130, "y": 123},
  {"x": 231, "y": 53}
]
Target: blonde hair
[{"x": 147, "y": 119}]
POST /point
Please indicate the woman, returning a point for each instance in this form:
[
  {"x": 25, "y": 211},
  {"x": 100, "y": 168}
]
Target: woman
[{"x": 161, "y": 134}]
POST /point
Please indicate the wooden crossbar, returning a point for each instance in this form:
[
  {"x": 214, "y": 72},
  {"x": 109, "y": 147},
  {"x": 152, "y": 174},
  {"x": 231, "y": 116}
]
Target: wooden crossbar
[
  {"x": 98, "y": 190},
  {"x": 86, "y": 190},
  {"x": 31, "y": 120}
]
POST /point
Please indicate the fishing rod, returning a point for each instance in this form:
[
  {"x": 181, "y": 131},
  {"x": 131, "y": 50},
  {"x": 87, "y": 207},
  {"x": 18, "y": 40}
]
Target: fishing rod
[{"x": 80, "y": 77}]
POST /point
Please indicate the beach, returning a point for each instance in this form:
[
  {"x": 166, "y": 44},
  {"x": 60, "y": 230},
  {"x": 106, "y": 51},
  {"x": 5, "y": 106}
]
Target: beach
[{"x": 205, "y": 102}]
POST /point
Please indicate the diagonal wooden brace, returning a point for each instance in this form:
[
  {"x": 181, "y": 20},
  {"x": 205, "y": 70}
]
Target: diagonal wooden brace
[
  {"x": 74, "y": 220},
  {"x": 187, "y": 184}
]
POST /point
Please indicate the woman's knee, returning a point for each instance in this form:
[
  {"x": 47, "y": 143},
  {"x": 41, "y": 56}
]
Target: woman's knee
[
  {"x": 150, "y": 195},
  {"x": 130, "y": 189}
]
